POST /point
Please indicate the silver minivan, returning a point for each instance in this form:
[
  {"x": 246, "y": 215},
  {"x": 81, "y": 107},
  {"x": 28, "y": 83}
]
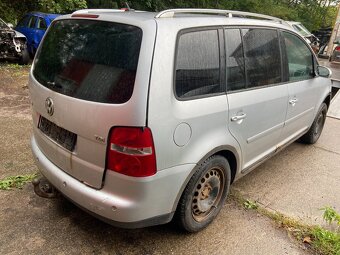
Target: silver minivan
[{"x": 143, "y": 117}]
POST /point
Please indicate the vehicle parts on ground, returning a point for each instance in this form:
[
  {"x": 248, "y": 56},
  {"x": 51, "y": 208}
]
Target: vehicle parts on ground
[{"x": 43, "y": 188}]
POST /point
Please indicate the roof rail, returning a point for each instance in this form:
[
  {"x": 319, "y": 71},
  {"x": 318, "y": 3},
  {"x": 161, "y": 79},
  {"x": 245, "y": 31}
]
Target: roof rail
[
  {"x": 83, "y": 11},
  {"x": 229, "y": 13}
]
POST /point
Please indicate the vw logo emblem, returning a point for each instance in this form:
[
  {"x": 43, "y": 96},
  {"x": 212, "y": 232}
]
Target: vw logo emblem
[{"x": 49, "y": 106}]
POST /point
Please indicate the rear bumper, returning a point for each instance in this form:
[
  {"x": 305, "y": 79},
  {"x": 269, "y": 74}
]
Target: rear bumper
[{"x": 123, "y": 201}]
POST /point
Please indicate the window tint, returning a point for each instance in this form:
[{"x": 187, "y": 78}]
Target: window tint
[
  {"x": 32, "y": 21},
  {"x": 41, "y": 24},
  {"x": 23, "y": 21},
  {"x": 235, "y": 61},
  {"x": 90, "y": 60},
  {"x": 262, "y": 57},
  {"x": 198, "y": 64},
  {"x": 299, "y": 57}
]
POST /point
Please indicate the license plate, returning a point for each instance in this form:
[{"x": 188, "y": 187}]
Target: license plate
[{"x": 58, "y": 134}]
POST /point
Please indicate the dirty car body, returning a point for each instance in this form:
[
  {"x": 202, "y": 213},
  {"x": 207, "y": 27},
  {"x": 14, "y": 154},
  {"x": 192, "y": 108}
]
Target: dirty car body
[{"x": 138, "y": 116}]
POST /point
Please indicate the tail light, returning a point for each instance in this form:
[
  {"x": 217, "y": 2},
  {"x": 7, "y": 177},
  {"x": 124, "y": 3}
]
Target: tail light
[
  {"x": 337, "y": 48},
  {"x": 131, "y": 151}
]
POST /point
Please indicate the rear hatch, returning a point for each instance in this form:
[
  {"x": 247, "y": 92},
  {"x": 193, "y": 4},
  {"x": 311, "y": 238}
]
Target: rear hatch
[{"x": 88, "y": 76}]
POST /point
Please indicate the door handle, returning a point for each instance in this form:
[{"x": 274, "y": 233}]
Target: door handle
[
  {"x": 293, "y": 101},
  {"x": 238, "y": 117}
]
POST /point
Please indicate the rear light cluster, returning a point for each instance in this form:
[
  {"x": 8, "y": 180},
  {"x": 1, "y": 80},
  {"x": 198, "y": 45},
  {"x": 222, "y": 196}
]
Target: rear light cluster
[
  {"x": 131, "y": 151},
  {"x": 337, "y": 48}
]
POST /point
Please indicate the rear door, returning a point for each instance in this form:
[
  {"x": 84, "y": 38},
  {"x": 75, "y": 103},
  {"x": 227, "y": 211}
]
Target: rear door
[
  {"x": 38, "y": 32},
  {"x": 256, "y": 96},
  {"x": 31, "y": 32},
  {"x": 88, "y": 76}
]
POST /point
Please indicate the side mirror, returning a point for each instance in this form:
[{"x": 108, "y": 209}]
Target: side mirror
[
  {"x": 324, "y": 71},
  {"x": 10, "y": 25}
]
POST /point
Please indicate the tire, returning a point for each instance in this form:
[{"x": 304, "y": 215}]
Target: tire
[
  {"x": 315, "y": 130},
  {"x": 204, "y": 195},
  {"x": 25, "y": 58},
  {"x": 32, "y": 52}
]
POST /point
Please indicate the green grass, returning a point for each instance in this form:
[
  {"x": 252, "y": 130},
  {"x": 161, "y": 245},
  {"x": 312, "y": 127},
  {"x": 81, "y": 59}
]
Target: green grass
[
  {"x": 321, "y": 240},
  {"x": 17, "y": 181},
  {"x": 14, "y": 66},
  {"x": 325, "y": 241}
]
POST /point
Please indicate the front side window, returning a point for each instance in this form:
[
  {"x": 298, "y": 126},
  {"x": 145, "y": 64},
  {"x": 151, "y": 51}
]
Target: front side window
[
  {"x": 299, "y": 58},
  {"x": 23, "y": 21},
  {"x": 198, "y": 64},
  {"x": 262, "y": 56}
]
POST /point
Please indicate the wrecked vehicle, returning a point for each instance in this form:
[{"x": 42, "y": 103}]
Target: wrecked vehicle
[
  {"x": 33, "y": 25},
  {"x": 12, "y": 44}
]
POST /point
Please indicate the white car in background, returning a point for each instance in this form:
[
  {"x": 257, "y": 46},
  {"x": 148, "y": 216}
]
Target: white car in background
[
  {"x": 12, "y": 44},
  {"x": 303, "y": 31}
]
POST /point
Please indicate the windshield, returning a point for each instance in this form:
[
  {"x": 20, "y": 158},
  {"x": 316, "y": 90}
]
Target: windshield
[
  {"x": 90, "y": 60},
  {"x": 3, "y": 25},
  {"x": 301, "y": 29}
]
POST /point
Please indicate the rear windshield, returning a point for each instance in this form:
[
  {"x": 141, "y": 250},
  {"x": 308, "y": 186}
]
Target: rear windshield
[{"x": 90, "y": 60}]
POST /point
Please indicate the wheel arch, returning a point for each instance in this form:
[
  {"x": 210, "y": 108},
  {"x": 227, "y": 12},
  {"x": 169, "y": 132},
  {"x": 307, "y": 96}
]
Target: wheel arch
[
  {"x": 327, "y": 101},
  {"x": 227, "y": 152}
]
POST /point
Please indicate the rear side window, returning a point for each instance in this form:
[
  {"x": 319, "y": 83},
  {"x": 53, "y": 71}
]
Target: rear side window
[
  {"x": 32, "y": 21},
  {"x": 235, "y": 61},
  {"x": 198, "y": 64},
  {"x": 299, "y": 57},
  {"x": 90, "y": 60},
  {"x": 262, "y": 56}
]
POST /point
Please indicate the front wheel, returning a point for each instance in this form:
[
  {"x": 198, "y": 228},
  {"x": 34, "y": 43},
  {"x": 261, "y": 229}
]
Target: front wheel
[
  {"x": 205, "y": 194},
  {"x": 25, "y": 58},
  {"x": 315, "y": 130}
]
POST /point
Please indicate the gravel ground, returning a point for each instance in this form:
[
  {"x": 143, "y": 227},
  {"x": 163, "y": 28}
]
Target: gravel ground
[{"x": 15, "y": 122}]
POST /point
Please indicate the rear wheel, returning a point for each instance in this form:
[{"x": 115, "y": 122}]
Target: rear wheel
[
  {"x": 315, "y": 130},
  {"x": 205, "y": 194}
]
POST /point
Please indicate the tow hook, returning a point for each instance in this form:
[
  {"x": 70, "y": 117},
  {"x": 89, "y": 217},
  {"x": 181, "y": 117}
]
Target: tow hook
[{"x": 43, "y": 188}]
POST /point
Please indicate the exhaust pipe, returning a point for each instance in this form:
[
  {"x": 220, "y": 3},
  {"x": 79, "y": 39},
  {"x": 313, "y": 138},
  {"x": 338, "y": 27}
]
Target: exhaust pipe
[{"x": 43, "y": 188}]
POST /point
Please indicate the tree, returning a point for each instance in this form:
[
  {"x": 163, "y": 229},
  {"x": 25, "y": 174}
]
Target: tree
[
  {"x": 12, "y": 10},
  {"x": 61, "y": 6}
]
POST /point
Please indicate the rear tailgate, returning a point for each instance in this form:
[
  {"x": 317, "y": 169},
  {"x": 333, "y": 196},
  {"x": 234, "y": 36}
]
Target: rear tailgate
[{"x": 87, "y": 77}]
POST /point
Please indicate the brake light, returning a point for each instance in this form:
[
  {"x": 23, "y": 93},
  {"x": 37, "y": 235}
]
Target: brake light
[
  {"x": 337, "y": 48},
  {"x": 131, "y": 151},
  {"x": 91, "y": 16}
]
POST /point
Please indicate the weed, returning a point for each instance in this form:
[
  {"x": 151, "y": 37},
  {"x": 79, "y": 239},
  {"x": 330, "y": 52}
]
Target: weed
[
  {"x": 248, "y": 204},
  {"x": 16, "y": 181},
  {"x": 330, "y": 215}
]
